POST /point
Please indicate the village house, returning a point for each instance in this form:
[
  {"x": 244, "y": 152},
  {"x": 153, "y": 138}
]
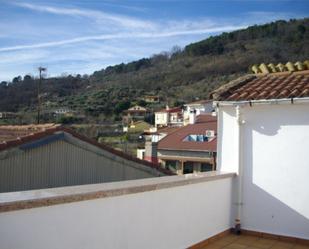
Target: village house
[
  {"x": 51, "y": 114},
  {"x": 191, "y": 148},
  {"x": 152, "y": 99},
  {"x": 48, "y": 156},
  {"x": 169, "y": 117},
  {"x": 196, "y": 108},
  {"x": 137, "y": 127},
  {"x": 63, "y": 111},
  {"x": 153, "y": 135},
  {"x": 8, "y": 115},
  {"x": 135, "y": 113}
]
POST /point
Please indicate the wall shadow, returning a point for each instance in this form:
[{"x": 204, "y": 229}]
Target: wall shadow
[{"x": 263, "y": 209}]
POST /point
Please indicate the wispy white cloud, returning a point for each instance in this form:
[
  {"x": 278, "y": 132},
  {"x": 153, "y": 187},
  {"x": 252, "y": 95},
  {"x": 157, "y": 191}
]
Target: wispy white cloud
[
  {"x": 122, "y": 36},
  {"x": 128, "y": 7},
  {"x": 100, "y": 16},
  {"x": 23, "y": 56}
]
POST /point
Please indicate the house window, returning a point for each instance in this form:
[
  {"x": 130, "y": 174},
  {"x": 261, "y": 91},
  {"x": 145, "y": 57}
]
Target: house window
[
  {"x": 188, "y": 167},
  {"x": 172, "y": 165},
  {"x": 196, "y": 138},
  {"x": 206, "y": 167}
]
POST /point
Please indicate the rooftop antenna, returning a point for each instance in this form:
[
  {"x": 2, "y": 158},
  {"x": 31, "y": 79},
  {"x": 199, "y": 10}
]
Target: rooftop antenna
[{"x": 41, "y": 69}]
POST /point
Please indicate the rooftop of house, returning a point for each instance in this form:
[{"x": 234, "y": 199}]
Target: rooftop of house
[
  {"x": 168, "y": 129},
  {"x": 199, "y": 102},
  {"x": 177, "y": 140},
  {"x": 19, "y": 135},
  {"x": 151, "y": 96},
  {"x": 136, "y": 108},
  {"x": 170, "y": 110},
  {"x": 267, "y": 83},
  {"x": 139, "y": 126},
  {"x": 162, "y": 130}
]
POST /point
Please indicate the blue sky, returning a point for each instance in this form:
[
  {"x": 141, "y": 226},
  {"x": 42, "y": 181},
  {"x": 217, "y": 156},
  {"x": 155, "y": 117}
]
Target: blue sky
[{"x": 83, "y": 36}]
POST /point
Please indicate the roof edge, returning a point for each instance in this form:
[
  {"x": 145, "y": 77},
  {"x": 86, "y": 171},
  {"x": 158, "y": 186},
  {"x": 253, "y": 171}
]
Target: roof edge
[
  {"x": 263, "y": 101},
  {"x": 48, "y": 132},
  {"x": 192, "y": 150},
  {"x": 218, "y": 93}
]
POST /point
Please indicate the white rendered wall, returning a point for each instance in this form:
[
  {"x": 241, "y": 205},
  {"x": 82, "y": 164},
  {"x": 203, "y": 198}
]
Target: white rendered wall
[
  {"x": 276, "y": 166},
  {"x": 140, "y": 153},
  {"x": 200, "y": 109},
  {"x": 161, "y": 118},
  {"x": 168, "y": 218},
  {"x": 227, "y": 145}
]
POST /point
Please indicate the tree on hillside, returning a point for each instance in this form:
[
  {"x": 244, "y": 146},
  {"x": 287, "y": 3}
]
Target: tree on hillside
[{"x": 121, "y": 106}]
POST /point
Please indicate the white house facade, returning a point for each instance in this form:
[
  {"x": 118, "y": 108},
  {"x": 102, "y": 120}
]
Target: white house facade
[
  {"x": 198, "y": 107},
  {"x": 265, "y": 139}
]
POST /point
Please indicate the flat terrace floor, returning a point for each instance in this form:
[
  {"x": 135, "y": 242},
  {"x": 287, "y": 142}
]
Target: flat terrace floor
[{"x": 232, "y": 241}]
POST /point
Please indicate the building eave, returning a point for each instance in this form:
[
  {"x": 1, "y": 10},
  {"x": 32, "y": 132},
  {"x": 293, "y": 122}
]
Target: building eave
[
  {"x": 262, "y": 102},
  {"x": 190, "y": 150}
]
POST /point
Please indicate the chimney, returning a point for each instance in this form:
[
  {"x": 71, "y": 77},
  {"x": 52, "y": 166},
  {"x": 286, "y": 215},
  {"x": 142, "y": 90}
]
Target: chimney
[
  {"x": 192, "y": 117},
  {"x": 167, "y": 107},
  {"x": 151, "y": 150}
]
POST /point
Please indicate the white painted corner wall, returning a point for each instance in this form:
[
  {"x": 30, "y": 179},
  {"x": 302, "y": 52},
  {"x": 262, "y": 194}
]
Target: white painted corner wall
[
  {"x": 227, "y": 145},
  {"x": 275, "y": 152}
]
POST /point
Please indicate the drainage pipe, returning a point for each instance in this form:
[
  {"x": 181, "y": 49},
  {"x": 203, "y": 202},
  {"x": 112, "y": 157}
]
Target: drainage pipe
[{"x": 240, "y": 123}]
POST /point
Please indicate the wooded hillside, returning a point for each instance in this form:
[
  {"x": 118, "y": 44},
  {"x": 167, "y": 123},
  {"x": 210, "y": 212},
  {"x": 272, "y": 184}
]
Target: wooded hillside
[{"x": 178, "y": 76}]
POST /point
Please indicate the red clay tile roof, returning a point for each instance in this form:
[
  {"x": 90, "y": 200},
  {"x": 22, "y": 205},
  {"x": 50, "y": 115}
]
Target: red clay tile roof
[
  {"x": 168, "y": 130},
  {"x": 171, "y": 110},
  {"x": 39, "y": 132},
  {"x": 174, "y": 141},
  {"x": 199, "y": 102},
  {"x": 204, "y": 118},
  {"x": 163, "y": 130},
  {"x": 265, "y": 86}
]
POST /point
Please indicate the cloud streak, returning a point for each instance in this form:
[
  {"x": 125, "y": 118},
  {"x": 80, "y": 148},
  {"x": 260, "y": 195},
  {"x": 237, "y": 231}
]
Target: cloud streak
[
  {"x": 121, "y": 36},
  {"x": 100, "y": 16}
]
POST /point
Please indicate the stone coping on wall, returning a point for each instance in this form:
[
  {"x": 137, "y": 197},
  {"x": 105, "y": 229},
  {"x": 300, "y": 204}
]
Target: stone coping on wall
[{"x": 12, "y": 201}]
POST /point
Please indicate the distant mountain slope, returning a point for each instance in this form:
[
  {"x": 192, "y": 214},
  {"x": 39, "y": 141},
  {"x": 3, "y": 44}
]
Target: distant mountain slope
[{"x": 178, "y": 76}]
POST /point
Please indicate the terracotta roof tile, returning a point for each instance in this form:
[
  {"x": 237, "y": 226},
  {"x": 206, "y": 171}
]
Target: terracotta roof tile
[
  {"x": 266, "y": 86},
  {"x": 198, "y": 102},
  {"x": 305, "y": 92},
  {"x": 171, "y": 110},
  {"x": 168, "y": 130},
  {"x": 175, "y": 140}
]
